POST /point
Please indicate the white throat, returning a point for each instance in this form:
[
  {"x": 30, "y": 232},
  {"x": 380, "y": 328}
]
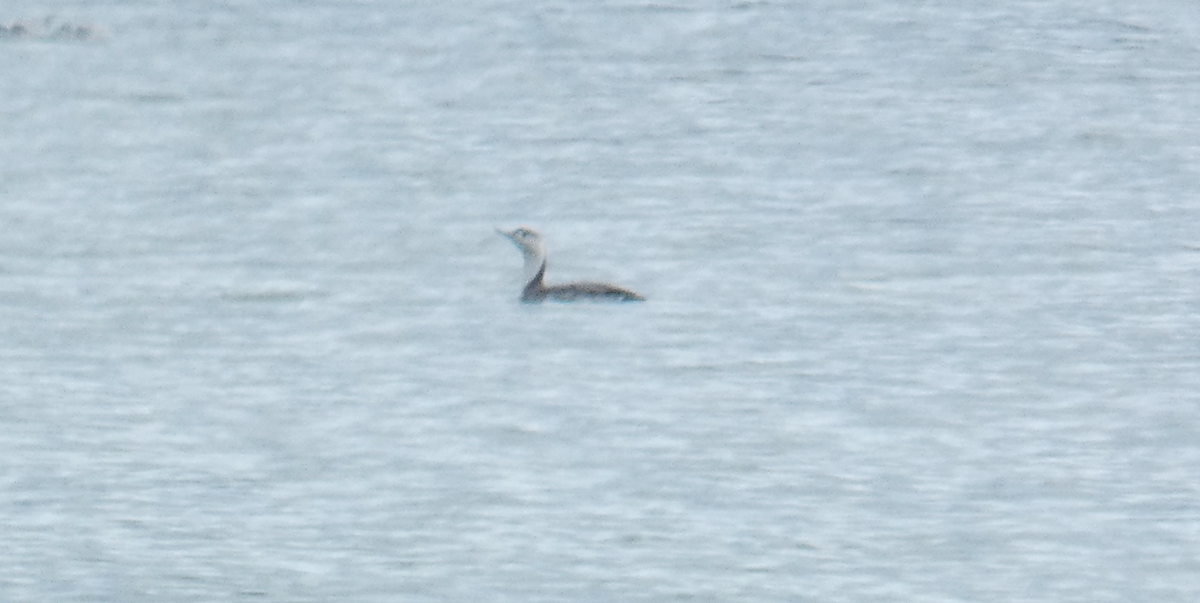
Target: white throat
[{"x": 533, "y": 263}]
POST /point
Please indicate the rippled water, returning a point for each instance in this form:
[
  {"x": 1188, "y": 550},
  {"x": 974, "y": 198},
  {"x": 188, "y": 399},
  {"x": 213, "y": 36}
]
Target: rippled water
[{"x": 923, "y": 281}]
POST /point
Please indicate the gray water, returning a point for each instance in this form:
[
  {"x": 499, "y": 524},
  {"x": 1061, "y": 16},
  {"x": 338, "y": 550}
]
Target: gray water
[{"x": 923, "y": 317}]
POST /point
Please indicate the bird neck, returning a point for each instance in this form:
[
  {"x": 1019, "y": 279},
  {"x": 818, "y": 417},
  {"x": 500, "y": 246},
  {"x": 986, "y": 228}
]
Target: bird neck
[
  {"x": 535, "y": 272},
  {"x": 535, "y": 289},
  {"x": 535, "y": 267}
]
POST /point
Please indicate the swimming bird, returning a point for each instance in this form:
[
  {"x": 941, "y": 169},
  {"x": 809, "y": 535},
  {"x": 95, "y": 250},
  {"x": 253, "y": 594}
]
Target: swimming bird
[{"x": 529, "y": 241}]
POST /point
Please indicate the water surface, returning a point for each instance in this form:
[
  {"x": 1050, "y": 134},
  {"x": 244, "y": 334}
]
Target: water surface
[{"x": 921, "y": 326}]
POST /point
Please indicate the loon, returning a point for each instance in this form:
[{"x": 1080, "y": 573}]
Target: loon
[{"x": 529, "y": 241}]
